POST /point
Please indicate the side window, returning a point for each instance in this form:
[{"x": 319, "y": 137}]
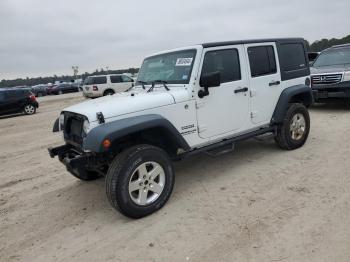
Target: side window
[
  {"x": 225, "y": 61},
  {"x": 2, "y": 96},
  {"x": 126, "y": 79},
  {"x": 262, "y": 60},
  {"x": 116, "y": 79},
  {"x": 99, "y": 80},
  {"x": 293, "y": 56}
]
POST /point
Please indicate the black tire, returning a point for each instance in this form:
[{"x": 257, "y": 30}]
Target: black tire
[
  {"x": 284, "y": 138},
  {"x": 108, "y": 92},
  {"x": 123, "y": 168},
  {"x": 29, "y": 109},
  {"x": 86, "y": 175}
]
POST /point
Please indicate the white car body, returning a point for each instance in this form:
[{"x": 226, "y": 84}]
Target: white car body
[
  {"x": 201, "y": 121},
  {"x": 101, "y": 85}
]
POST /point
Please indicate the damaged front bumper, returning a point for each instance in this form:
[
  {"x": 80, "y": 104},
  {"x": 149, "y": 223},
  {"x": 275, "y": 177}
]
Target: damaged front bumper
[{"x": 76, "y": 161}]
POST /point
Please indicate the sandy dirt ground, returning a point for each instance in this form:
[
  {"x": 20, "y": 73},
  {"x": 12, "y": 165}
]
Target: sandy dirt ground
[{"x": 258, "y": 203}]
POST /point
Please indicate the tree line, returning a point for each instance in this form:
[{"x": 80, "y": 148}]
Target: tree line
[
  {"x": 316, "y": 46},
  {"x": 322, "y": 44},
  {"x": 64, "y": 78}
]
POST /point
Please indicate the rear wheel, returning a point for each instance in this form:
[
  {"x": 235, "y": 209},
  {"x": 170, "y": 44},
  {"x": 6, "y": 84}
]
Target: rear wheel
[
  {"x": 140, "y": 180},
  {"x": 108, "y": 92},
  {"x": 295, "y": 128},
  {"x": 29, "y": 109}
]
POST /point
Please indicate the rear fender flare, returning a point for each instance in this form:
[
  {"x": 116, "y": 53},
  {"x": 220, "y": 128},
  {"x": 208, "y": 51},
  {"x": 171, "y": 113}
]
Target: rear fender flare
[{"x": 297, "y": 93}]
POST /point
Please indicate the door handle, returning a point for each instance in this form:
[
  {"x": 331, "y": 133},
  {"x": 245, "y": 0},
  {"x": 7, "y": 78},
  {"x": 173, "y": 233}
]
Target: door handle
[
  {"x": 241, "y": 90},
  {"x": 274, "y": 83}
]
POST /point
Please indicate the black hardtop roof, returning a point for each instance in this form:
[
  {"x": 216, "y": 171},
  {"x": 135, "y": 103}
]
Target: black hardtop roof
[{"x": 252, "y": 41}]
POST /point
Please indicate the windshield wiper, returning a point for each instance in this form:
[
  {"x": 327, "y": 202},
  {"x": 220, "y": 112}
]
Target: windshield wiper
[
  {"x": 143, "y": 83},
  {"x": 158, "y": 82}
]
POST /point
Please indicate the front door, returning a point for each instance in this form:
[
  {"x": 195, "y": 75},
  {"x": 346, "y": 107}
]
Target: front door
[
  {"x": 265, "y": 80},
  {"x": 226, "y": 108}
]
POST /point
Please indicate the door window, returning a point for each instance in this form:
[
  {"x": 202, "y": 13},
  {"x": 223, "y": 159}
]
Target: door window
[
  {"x": 262, "y": 60},
  {"x": 224, "y": 61},
  {"x": 126, "y": 79},
  {"x": 116, "y": 79}
]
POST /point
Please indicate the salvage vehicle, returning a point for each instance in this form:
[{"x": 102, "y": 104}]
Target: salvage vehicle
[
  {"x": 202, "y": 98},
  {"x": 330, "y": 74},
  {"x": 17, "y": 100},
  {"x": 104, "y": 85}
]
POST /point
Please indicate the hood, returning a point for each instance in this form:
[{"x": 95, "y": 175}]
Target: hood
[
  {"x": 126, "y": 103},
  {"x": 329, "y": 69}
]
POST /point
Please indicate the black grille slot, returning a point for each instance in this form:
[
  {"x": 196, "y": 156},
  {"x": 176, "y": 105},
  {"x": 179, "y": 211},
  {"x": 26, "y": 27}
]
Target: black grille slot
[
  {"x": 73, "y": 128},
  {"x": 326, "y": 79}
]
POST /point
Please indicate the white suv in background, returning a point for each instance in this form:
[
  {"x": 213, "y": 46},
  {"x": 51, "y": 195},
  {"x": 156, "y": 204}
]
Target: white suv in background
[{"x": 103, "y": 85}]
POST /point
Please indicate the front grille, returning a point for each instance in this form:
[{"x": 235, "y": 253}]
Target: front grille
[
  {"x": 326, "y": 79},
  {"x": 73, "y": 127}
]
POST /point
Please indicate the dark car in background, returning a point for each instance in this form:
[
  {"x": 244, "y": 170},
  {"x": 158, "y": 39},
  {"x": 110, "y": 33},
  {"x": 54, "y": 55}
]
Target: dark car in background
[
  {"x": 62, "y": 89},
  {"x": 40, "y": 90},
  {"x": 330, "y": 74},
  {"x": 16, "y": 100}
]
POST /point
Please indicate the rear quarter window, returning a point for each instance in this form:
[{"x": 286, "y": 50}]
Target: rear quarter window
[{"x": 293, "y": 60}]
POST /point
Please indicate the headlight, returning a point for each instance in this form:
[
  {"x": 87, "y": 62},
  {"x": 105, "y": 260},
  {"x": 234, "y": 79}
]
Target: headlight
[
  {"x": 86, "y": 126},
  {"x": 61, "y": 122},
  {"x": 346, "y": 76}
]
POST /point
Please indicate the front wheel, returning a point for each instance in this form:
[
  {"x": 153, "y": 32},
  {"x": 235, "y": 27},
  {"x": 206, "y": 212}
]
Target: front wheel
[
  {"x": 295, "y": 128},
  {"x": 140, "y": 180}
]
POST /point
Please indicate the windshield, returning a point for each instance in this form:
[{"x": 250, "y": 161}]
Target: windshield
[
  {"x": 339, "y": 56},
  {"x": 173, "y": 68}
]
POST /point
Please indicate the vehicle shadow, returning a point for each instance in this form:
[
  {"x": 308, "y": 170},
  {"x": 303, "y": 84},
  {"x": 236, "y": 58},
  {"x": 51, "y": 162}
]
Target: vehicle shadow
[
  {"x": 91, "y": 195},
  {"x": 11, "y": 115},
  {"x": 340, "y": 106}
]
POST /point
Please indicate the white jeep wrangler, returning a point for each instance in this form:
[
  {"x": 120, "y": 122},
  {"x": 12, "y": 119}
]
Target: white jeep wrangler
[{"x": 202, "y": 98}]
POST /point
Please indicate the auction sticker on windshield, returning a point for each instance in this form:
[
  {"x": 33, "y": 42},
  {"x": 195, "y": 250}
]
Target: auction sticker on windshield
[{"x": 184, "y": 61}]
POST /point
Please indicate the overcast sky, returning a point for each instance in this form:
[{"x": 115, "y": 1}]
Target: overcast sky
[{"x": 46, "y": 37}]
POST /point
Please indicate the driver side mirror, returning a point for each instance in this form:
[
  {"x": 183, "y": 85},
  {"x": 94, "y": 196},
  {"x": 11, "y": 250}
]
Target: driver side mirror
[{"x": 207, "y": 80}]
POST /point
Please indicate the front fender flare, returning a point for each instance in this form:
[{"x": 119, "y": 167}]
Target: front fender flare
[{"x": 123, "y": 127}]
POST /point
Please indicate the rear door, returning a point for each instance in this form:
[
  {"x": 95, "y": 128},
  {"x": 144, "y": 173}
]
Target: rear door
[{"x": 265, "y": 80}]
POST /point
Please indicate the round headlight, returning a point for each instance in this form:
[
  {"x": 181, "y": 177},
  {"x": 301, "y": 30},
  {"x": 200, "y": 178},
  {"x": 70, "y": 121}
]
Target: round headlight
[
  {"x": 86, "y": 126},
  {"x": 61, "y": 122}
]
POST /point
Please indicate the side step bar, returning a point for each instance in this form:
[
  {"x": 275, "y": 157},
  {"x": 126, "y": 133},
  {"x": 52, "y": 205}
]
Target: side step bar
[{"x": 231, "y": 141}]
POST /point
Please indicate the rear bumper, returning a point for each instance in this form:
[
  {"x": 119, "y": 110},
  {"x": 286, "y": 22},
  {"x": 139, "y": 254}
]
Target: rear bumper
[{"x": 340, "y": 90}]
